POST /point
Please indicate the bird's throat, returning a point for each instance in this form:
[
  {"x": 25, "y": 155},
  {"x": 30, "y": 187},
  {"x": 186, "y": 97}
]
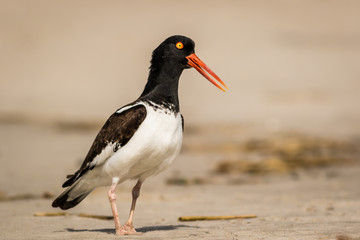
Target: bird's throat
[{"x": 162, "y": 86}]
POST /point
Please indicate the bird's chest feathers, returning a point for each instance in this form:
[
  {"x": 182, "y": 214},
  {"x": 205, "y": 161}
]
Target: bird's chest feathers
[
  {"x": 161, "y": 131},
  {"x": 153, "y": 147}
]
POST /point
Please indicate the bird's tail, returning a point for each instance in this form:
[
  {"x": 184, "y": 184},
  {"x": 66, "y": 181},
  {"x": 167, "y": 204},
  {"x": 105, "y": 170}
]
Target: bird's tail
[{"x": 72, "y": 196}]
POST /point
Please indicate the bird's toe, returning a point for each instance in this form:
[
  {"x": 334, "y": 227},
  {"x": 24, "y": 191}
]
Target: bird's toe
[{"x": 128, "y": 229}]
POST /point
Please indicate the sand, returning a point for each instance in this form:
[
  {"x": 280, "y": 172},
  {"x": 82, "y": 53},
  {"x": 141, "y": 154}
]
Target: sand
[
  {"x": 292, "y": 69},
  {"x": 314, "y": 203},
  {"x": 310, "y": 208}
]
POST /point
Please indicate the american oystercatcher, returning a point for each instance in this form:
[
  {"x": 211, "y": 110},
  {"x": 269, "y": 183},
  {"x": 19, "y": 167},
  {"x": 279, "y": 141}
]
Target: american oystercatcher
[{"x": 142, "y": 138}]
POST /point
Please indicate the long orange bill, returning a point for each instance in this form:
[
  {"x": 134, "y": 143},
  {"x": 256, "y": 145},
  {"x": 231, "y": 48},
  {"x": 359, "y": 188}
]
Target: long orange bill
[{"x": 201, "y": 67}]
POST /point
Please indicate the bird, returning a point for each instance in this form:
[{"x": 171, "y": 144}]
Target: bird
[{"x": 141, "y": 138}]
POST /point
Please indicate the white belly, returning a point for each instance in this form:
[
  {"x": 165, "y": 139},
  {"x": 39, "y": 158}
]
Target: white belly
[{"x": 153, "y": 147}]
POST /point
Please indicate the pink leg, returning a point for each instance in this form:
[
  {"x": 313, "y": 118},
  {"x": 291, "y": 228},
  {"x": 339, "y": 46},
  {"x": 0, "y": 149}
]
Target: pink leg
[
  {"x": 112, "y": 199},
  {"x": 128, "y": 227}
]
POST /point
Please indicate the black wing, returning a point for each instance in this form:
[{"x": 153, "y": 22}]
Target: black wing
[{"x": 118, "y": 130}]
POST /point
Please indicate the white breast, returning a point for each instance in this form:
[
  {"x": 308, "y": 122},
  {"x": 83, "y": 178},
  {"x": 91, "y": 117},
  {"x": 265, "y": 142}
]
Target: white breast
[{"x": 153, "y": 147}]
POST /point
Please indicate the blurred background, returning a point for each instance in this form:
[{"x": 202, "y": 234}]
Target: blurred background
[{"x": 292, "y": 68}]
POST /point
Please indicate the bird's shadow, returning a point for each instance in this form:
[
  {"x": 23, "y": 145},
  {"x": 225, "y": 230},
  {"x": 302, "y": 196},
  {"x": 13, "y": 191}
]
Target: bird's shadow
[{"x": 141, "y": 230}]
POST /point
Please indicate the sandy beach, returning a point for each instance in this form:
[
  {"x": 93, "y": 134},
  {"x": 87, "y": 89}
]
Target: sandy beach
[{"x": 282, "y": 144}]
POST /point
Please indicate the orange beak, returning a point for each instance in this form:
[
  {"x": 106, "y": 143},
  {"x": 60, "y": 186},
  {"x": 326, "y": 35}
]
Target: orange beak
[{"x": 201, "y": 67}]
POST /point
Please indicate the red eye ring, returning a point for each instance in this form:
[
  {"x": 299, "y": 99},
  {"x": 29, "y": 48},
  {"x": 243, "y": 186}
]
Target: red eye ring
[{"x": 179, "y": 45}]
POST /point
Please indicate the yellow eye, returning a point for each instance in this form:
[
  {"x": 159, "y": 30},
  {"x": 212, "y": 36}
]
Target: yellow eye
[{"x": 179, "y": 45}]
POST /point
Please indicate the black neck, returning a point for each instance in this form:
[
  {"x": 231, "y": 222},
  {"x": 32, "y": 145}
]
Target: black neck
[{"x": 162, "y": 85}]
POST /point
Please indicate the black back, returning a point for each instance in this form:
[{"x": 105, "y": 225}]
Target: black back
[{"x": 118, "y": 130}]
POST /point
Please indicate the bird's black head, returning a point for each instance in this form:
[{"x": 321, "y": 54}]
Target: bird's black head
[
  {"x": 175, "y": 54},
  {"x": 174, "y": 51},
  {"x": 168, "y": 61}
]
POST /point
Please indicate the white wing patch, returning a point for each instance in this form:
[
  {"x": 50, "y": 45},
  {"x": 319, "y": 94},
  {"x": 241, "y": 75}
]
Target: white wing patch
[
  {"x": 105, "y": 154},
  {"x": 128, "y": 107}
]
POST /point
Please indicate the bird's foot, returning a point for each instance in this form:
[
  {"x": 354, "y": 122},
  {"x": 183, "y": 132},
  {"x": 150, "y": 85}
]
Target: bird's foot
[{"x": 127, "y": 229}]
